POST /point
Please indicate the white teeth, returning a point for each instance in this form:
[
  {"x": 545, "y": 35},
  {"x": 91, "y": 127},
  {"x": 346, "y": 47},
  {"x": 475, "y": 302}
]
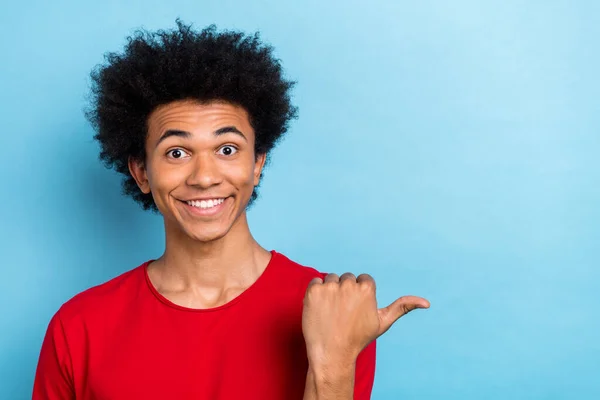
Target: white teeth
[{"x": 204, "y": 204}]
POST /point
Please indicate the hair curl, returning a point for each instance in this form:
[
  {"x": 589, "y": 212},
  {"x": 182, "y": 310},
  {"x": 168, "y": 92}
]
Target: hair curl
[{"x": 160, "y": 67}]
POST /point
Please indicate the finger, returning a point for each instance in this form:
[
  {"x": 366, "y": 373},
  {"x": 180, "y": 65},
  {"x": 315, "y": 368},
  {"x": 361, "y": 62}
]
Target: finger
[
  {"x": 331, "y": 278},
  {"x": 397, "y": 309},
  {"x": 348, "y": 276},
  {"x": 315, "y": 281},
  {"x": 366, "y": 279}
]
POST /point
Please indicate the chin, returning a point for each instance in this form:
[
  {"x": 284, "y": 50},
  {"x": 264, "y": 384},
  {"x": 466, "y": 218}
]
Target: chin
[{"x": 206, "y": 235}]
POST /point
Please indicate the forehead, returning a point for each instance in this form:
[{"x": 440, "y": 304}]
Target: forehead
[{"x": 198, "y": 117}]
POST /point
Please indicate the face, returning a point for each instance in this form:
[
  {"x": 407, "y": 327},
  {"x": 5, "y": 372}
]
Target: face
[{"x": 200, "y": 167}]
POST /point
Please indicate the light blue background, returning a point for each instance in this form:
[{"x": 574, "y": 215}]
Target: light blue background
[{"x": 448, "y": 148}]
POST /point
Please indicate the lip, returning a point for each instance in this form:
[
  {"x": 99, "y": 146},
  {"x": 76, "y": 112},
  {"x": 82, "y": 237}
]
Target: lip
[
  {"x": 205, "y": 212},
  {"x": 206, "y": 198}
]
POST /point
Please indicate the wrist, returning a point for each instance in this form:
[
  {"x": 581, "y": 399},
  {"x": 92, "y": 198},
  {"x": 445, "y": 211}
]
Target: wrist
[
  {"x": 328, "y": 356},
  {"x": 332, "y": 371}
]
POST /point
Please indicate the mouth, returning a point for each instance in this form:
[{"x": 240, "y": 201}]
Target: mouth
[
  {"x": 205, "y": 207},
  {"x": 205, "y": 204}
]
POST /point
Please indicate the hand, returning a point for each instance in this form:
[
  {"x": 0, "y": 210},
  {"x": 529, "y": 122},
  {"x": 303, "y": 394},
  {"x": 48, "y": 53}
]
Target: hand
[{"x": 340, "y": 317}]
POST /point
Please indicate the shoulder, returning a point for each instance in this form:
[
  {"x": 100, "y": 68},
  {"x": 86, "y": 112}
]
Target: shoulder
[
  {"x": 295, "y": 270},
  {"x": 99, "y": 299},
  {"x": 282, "y": 288}
]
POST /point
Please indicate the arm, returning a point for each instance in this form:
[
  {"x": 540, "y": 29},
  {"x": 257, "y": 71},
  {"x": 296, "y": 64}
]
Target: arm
[
  {"x": 340, "y": 320},
  {"x": 355, "y": 381},
  {"x": 53, "y": 374},
  {"x": 336, "y": 383}
]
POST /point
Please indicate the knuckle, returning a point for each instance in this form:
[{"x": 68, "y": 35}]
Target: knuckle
[
  {"x": 368, "y": 285},
  {"x": 331, "y": 278}
]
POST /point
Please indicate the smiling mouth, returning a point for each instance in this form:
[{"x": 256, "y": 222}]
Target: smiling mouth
[{"x": 205, "y": 204}]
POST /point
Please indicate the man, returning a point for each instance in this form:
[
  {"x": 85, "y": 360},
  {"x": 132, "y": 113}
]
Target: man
[{"x": 189, "y": 119}]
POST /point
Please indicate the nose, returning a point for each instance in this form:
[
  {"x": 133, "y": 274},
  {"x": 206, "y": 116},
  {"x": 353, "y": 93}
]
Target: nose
[{"x": 204, "y": 172}]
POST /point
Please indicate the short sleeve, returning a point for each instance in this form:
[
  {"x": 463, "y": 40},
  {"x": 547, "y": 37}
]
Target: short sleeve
[
  {"x": 365, "y": 372},
  {"x": 53, "y": 377}
]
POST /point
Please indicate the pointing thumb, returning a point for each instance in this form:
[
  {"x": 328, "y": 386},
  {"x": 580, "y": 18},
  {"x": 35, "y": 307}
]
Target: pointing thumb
[{"x": 390, "y": 314}]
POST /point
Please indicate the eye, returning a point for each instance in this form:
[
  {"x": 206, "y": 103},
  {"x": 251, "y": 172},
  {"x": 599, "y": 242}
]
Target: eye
[
  {"x": 227, "y": 150},
  {"x": 177, "y": 153}
]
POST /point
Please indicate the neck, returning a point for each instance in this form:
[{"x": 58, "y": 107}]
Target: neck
[{"x": 235, "y": 260}]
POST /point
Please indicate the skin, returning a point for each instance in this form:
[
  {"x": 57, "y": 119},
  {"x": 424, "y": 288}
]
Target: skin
[
  {"x": 340, "y": 318},
  {"x": 191, "y": 153},
  {"x": 210, "y": 260}
]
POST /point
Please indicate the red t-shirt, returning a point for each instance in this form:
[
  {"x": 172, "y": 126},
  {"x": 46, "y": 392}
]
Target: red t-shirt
[{"x": 124, "y": 340}]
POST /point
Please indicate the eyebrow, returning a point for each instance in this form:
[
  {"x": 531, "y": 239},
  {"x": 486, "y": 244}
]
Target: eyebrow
[{"x": 187, "y": 135}]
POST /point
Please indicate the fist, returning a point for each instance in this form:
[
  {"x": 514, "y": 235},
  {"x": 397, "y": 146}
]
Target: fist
[{"x": 340, "y": 316}]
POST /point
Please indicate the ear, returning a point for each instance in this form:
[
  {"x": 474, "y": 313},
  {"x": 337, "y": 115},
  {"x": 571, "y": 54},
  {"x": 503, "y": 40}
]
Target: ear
[
  {"x": 137, "y": 169},
  {"x": 258, "y": 167}
]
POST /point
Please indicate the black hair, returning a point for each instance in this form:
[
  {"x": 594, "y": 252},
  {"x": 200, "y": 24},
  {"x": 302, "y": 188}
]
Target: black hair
[{"x": 160, "y": 67}]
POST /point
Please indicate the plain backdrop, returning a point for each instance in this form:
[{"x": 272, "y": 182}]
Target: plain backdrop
[{"x": 448, "y": 148}]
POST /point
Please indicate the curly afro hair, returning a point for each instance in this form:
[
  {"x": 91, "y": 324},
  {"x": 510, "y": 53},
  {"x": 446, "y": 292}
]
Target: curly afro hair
[{"x": 160, "y": 67}]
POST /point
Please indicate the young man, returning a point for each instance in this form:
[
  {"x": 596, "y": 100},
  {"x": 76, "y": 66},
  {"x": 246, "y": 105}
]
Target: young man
[{"x": 189, "y": 119}]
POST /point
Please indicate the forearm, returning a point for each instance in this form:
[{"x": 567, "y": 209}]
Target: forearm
[{"x": 330, "y": 383}]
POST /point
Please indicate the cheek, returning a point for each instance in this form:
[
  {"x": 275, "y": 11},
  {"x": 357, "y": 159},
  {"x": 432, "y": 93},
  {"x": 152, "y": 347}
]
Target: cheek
[
  {"x": 240, "y": 176},
  {"x": 242, "y": 173},
  {"x": 164, "y": 178}
]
